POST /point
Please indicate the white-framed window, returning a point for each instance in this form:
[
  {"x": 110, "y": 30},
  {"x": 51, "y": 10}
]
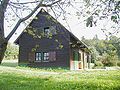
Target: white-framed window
[
  {"x": 38, "y": 56},
  {"x": 46, "y": 31},
  {"x": 42, "y": 56},
  {"x": 51, "y": 30},
  {"x": 45, "y": 56}
]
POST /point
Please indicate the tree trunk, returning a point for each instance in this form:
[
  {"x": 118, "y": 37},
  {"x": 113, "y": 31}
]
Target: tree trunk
[
  {"x": 3, "y": 41},
  {"x": 3, "y": 46}
]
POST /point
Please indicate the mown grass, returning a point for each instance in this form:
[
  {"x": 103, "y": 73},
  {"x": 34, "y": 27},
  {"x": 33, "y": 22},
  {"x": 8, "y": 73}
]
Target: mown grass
[{"x": 21, "y": 78}]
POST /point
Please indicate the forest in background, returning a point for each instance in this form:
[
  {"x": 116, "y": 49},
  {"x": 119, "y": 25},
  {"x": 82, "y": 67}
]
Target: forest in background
[{"x": 104, "y": 52}]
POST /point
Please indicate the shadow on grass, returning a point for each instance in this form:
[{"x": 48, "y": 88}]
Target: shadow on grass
[
  {"x": 54, "y": 69},
  {"x": 9, "y": 63},
  {"x": 14, "y": 63}
]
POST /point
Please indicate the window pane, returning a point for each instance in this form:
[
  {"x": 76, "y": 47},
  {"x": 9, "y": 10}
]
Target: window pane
[
  {"x": 42, "y": 56},
  {"x": 46, "y": 31},
  {"x": 38, "y": 56},
  {"x": 46, "y": 56}
]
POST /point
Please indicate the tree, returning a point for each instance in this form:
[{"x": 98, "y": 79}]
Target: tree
[
  {"x": 104, "y": 52},
  {"x": 3, "y": 42},
  {"x": 100, "y": 8},
  {"x": 3, "y": 6},
  {"x": 115, "y": 41}
]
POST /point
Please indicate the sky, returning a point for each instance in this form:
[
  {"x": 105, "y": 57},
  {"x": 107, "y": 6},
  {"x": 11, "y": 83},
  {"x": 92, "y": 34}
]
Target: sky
[{"x": 74, "y": 25}]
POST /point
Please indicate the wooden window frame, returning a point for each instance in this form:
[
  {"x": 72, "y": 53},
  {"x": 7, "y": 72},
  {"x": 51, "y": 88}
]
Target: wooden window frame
[
  {"x": 45, "y": 56},
  {"x": 46, "y": 31},
  {"x": 38, "y": 57}
]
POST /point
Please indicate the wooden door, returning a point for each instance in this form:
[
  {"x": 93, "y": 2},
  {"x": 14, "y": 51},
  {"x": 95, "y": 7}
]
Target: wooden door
[{"x": 76, "y": 60}]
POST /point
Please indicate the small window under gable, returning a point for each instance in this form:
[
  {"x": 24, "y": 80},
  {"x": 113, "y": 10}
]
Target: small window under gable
[
  {"x": 51, "y": 30},
  {"x": 46, "y": 31}
]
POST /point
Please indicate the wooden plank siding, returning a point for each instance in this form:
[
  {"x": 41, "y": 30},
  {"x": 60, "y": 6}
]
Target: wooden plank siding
[
  {"x": 27, "y": 42},
  {"x": 63, "y": 56}
]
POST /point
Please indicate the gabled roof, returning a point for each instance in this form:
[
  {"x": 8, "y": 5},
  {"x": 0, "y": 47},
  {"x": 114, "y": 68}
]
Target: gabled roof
[
  {"x": 79, "y": 41},
  {"x": 71, "y": 34}
]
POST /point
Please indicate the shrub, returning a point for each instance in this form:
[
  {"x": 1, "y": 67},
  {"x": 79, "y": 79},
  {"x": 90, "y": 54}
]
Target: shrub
[
  {"x": 111, "y": 63},
  {"x": 98, "y": 64},
  {"x": 109, "y": 60},
  {"x": 118, "y": 63}
]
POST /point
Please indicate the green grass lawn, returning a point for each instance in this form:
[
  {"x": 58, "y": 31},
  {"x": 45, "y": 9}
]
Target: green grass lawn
[{"x": 24, "y": 78}]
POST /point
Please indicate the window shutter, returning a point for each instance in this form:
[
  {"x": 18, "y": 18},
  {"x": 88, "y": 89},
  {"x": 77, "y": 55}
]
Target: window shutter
[
  {"x": 52, "y": 56},
  {"x": 31, "y": 57}
]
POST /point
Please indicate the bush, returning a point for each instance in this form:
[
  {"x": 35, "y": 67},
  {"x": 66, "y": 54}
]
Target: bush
[
  {"x": 109, "y": 60},
  {"x": 98, "y": 64},
  {"x": 109, "y": 63},
  {"x": 118, "y": 63}
]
